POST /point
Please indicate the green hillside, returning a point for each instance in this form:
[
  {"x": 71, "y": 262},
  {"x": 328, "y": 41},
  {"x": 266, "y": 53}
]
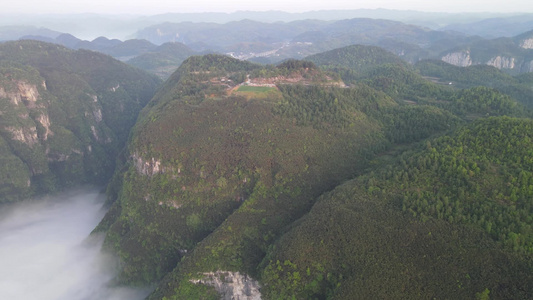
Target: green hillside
[
  {"x": 163, "y": 60},
  {"x": 65, "y": 115},
  {"x": 221, "y": 156},
  {"x": 212, "y": 178},
  {"x": 356, "y": 57},
  {"x": 519, "y": 86},
  {"x": 450, "y": 220}
]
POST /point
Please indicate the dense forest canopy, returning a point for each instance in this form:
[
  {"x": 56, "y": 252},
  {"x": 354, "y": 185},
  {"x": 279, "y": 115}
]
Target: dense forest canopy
[
  {"x": 350, "y": 174},
  {"x": 232, "y": 166},
  {"x": 65, "y": 115}
]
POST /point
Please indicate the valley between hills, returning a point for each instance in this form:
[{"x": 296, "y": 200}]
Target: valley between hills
[{"x": 358, "y": 168}]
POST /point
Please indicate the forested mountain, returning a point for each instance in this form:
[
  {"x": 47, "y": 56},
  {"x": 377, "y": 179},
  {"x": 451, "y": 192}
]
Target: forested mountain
[
  {"x": 122, "y": 50},
  {"x": 163, "y": 60},
  {"x": 64, "y": 115},
  {"x": 519, "y": 86},
  {"x": 238, "y": 180},
  {"x": 248, "y": 39},
  {"x": 266, "y": 42},
  {"x": 273, "y": 42},
  {"x": 122, "y": 26},
  {"x": 451, "y": 219},
  {"x": 494, "y": 27},
  {"x": 515, "y": 55},
  {"x": 15, "y": 32},
  {"x": 351, "y": 174},
  {"x": 357, "y": 58}
]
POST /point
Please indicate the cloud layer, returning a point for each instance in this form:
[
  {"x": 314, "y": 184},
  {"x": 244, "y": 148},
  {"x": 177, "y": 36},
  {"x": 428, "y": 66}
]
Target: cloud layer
[{"x": 46, "y": 252}]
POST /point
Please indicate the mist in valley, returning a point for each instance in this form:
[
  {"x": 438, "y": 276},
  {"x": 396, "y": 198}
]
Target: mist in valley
[{"x": 46, "y": 251}]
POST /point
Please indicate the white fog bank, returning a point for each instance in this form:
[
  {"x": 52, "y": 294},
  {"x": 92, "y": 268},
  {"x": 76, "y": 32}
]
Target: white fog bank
[{"x": 46, "y": 252}]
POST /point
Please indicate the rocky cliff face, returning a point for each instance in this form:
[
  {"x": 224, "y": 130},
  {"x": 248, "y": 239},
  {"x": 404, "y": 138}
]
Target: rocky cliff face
[
  {"x": 502, "y": 62},
  {"x": 461, "y": 59},
  {"x": 23, "y": 97},
  {"x": 21, "y": 91},
  {"x": 231, "y": 285},
  {"x": 214, "y": 173},
  {"x": 61, "y": 120},
  {"x": 527, "y": 43}
]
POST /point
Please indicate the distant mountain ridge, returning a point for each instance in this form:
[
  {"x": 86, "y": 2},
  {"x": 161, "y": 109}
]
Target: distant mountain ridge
[
  {"x": 248, "y": 39},
  {"x": 163, "y": 60},
  {"x": 90, "y": 26},
  {"x": 274, "y": 42},
  {"x": 511, "y": 54},
  {"x": 122, "y": 50},
  {"x": 495, "y": 27}
]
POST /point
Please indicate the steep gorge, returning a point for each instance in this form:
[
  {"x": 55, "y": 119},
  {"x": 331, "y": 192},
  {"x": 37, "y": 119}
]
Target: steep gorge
[
  {"x": 237, "y": 183},
  {"x": 64, "y": 116}
]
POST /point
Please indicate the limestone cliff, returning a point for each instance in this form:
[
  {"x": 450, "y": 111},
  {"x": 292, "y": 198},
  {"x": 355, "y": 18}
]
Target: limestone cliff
[
  {"x": 60, "y": 116},
  {"x": 527, "y": 43},
  {"x": 231, "y": 285},
  {"x": 461, "y": 58},
  {"x": 502, "y": 62},
  {"x": 215, "y": 170}
]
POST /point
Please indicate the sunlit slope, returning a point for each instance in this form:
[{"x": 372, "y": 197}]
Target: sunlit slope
[
  {"x": 450, "y": 220},
  {"x": 228, "y": 154},
  {"x": 200, "y": 155}
]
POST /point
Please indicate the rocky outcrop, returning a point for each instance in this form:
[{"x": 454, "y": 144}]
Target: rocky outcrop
[
  {"x": 146, "y": 167},
  {"x": 502, "y": 62},
  {"x": 26, "y": 135},
  {"x": 27, "y": 92},
  {"x": 97, "y": 114},
  {"x": 72, "y": 132},
  {"x": 231, "y": 285},
  {"x": 22, "y": 91},
  {"x": 461, "y": 59},
  {"x": 45, "y": 122},
  {"x": 527, "y": 43}
]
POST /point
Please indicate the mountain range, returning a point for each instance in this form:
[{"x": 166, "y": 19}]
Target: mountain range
[
  {"x": 374, "y": 159},
  {"x": 274, "y": 42}
]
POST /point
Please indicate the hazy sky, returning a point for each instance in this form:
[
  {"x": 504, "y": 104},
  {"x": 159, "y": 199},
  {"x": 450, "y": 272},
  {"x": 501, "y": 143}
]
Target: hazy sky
[{"x": 148, "y": 7}]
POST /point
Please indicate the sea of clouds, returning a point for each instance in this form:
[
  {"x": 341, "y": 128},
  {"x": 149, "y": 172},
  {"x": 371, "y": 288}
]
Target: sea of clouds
[{"x": 47, "y": 253}]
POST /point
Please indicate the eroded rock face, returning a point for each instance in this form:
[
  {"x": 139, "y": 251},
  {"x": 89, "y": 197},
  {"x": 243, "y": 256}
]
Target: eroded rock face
[
  {"x": 148, "y": 168},
  {"x": 26, "y": 135},
  {"x": 461, "y": 59},
  {"x": 527, "y": 43},
  {"x": 232, "y": 285},
  {"x": 97, "y": 114},
  {"x": 45, "y": 122},
  {"x": 27, "y": 94},
  {"x": 502, "y": 62},
  {"x": 23, "y": 92}
]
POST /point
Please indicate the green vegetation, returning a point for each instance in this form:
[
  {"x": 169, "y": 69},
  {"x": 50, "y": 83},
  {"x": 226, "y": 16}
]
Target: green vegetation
[
  {"x": 255, "y": 89},
  {"x": 392, "y": 187},
  {"x": 163, "y": 60},
  {"x": 486, "y": 169},
  {"x": 65, "y": 115},
  {"x": 354, "y": 60},
  {"x": 518, "y": 87},
  {"x": 258, "y": 92},
  {"x": 440, "y": 217}
]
